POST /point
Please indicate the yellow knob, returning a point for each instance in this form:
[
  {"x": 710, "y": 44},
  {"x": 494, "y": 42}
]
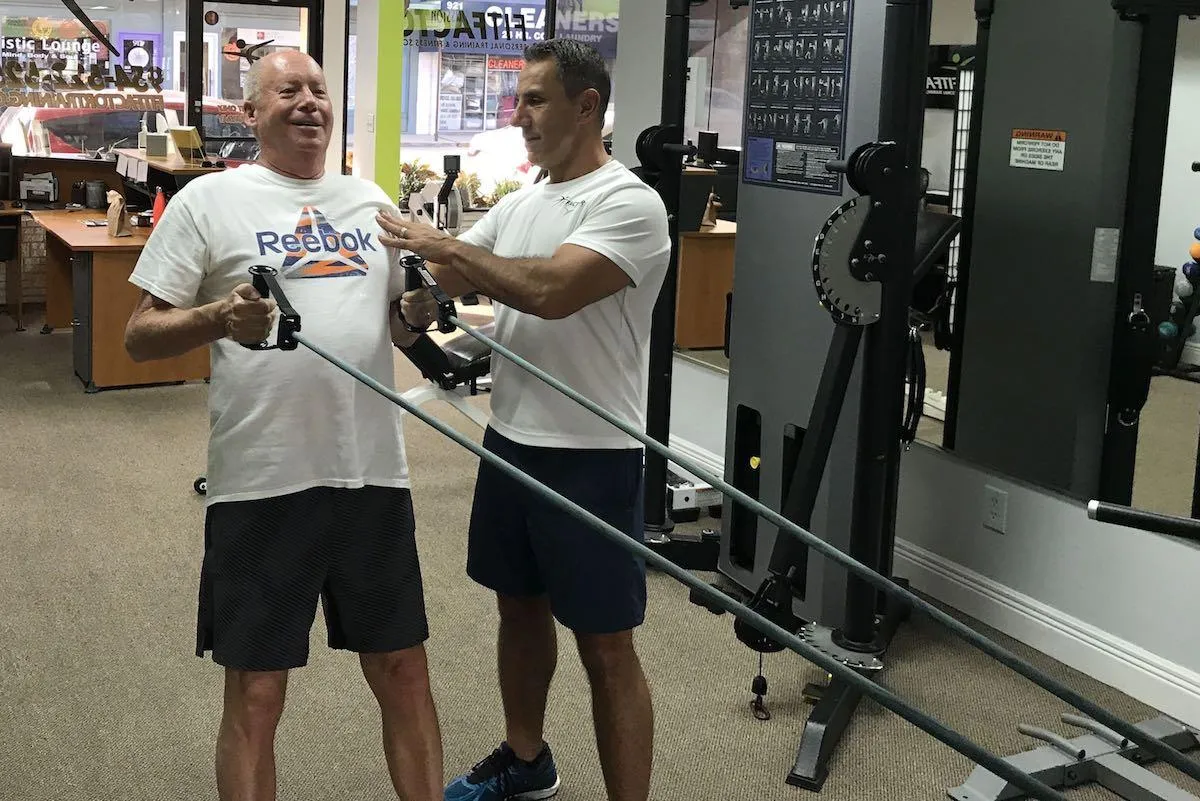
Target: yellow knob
[{"x": 755, "y": 462}]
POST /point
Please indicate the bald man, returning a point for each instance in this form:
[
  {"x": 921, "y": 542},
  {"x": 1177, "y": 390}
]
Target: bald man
[{"x": 308, "y": 489}]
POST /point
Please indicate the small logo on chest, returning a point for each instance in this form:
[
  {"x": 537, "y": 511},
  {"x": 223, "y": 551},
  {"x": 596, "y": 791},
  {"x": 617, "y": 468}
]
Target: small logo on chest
[{"x": 565, "y": 201}]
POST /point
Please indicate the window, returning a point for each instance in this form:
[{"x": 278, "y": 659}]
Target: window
[
  {"x": 94, "y": 97},
  {"x": 459, "y": 88},
  {"x": 75, "y": 93}
]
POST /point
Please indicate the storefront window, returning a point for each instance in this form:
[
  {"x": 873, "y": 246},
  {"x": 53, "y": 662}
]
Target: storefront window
[
  {"x": 459, "y": 89},
  {"x": 66, "y": 90}
]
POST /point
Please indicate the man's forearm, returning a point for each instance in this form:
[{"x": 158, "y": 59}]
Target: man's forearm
[
  {"x": 527, "y": 285},
  {"x": 164, "y": 333},
  {"x": 451, "y": 281}
]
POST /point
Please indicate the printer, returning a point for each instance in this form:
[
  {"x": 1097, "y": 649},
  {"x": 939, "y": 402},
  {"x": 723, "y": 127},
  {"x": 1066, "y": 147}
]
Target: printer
[{"x": 39, "y": 188}]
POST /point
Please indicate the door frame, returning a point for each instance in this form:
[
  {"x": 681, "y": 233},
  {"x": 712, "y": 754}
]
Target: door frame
[{"x": 194, "y": 25}]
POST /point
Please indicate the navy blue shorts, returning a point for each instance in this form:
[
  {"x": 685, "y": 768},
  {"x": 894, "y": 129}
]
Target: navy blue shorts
[
  {"x": 268, "y": 562},
  {"x": 522, "y": 545}
]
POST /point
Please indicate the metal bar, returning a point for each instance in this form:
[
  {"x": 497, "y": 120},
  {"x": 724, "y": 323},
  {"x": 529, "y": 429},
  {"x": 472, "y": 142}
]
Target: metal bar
[
  {"x": 1059, "y": 742},
  {"x": 194, "y": 42},
  {"x": 1104, "y": 733},
  {"x": 1182, "y": 527},
  {"x": 901, "y": 120},
  {"x": 1005, "y": 657},
  {"x": 1132, "y": 355},
  {"x": 869, "y": 688},
  {"x": 801, "y": 493},
  {"x": 966, "y": 242}
]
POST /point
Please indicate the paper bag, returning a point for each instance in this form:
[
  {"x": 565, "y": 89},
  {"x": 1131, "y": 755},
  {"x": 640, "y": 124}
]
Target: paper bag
[
  {"x": 118, "y": 220},
  {"x": 710, "y": 212}
]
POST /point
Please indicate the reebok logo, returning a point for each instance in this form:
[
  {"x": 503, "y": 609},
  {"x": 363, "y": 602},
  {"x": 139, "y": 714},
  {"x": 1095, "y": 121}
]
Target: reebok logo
[
  {"x": 331, "y": 242},
  {"x": 315, "y": 249}
]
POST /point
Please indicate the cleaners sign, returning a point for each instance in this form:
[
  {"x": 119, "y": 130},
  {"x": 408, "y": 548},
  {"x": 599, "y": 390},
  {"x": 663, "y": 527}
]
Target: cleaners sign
[{"x": 1038, "y": 149}]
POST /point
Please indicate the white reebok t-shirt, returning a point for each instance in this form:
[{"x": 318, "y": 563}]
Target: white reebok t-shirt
[
  {"x": 284, "y": 421},
  {"x": 603, "y": 350}
]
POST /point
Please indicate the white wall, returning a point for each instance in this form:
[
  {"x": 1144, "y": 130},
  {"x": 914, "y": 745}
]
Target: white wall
[
  {"x": 637, "y": 76},
  {"x": 1115, "y": 603},
  {"x": 365, "y": 83}
]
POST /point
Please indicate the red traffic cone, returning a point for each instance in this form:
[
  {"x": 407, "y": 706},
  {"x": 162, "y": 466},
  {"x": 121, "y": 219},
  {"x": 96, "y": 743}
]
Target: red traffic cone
[{"x": 160, "y": 205}]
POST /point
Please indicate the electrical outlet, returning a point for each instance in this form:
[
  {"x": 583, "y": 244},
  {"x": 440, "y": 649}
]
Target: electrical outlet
[
  {"x": 370, "y": 123},
  {"x": 995, "y": 509}
]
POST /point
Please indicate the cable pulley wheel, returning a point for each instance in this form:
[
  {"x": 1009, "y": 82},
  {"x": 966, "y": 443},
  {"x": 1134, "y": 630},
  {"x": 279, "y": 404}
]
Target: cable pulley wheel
[{"x": 847, "y": 299}]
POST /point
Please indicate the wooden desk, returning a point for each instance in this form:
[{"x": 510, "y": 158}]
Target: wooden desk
[
  {"x": 87, "y": 288},
  {"x": 705, "y": 278}
]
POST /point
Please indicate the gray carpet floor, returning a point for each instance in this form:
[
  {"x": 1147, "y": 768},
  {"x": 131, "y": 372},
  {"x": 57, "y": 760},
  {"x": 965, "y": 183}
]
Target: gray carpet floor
[{"x": 101, "y": 698}]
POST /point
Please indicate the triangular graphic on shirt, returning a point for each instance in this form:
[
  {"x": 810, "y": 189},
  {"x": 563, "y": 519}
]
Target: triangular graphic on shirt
[{"x": 331, "y": 258}]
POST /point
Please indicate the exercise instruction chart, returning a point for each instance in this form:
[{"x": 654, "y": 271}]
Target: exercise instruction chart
[{"x": 795, "y": 117}]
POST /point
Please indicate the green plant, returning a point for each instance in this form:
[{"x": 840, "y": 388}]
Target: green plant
[
  {"x": 413, "y": 176},
  {"x": 504, "y": 187},
  {"x": 471, "y": 184}
]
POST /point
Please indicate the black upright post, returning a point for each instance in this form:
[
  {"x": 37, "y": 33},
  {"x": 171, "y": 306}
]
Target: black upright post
[
  {"x": 194, "y": 24},
  {"x": 983, "y": 18},
  {"x": 662, "y": 330},
  {"x": 902, "y": 108},
  {"x": 1133, "y": 340},
  {"x": 881, "y": 410}
]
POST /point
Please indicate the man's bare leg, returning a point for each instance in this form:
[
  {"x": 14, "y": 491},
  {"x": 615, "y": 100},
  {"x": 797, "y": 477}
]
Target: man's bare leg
[
  {"x": 245, "y": 758},
  {"x": 622, "y": 711},
  {"x": 527, "y": 655},
  {"x": 412, "y": 739}
]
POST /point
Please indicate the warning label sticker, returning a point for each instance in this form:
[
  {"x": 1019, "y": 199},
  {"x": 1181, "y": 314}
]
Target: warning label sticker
[{"x": 1037, "y": 149}]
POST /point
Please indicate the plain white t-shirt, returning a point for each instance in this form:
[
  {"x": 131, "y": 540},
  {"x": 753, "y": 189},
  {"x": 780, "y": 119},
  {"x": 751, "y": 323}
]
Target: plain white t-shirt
[
  {"x": 602, "y": 351},
  {"x": 284, "y": 421}
]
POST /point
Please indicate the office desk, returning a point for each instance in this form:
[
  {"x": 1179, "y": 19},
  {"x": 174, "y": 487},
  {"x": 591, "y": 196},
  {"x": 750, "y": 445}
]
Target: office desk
[
  {"x": 705, "y": 278},
  {"x": 87, "y": 288}
]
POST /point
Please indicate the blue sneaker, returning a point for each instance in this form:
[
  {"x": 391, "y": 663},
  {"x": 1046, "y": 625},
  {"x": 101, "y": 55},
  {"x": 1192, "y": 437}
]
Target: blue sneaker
[{"x": 503, "y": 777}]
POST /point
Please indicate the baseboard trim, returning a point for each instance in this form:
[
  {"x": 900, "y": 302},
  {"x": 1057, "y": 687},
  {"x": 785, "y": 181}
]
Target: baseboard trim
[
  {"x": 1164, "y": 685},
  {"x": 710, "y": 461}
]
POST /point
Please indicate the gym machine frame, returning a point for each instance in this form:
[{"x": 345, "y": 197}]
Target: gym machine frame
[{"x": 863, "y": 265}]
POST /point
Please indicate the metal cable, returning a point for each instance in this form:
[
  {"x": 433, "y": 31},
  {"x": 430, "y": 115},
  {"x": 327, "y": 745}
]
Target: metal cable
[
  {"x": 869, "y": 688},
  {"x": 1153, "y": 745}
]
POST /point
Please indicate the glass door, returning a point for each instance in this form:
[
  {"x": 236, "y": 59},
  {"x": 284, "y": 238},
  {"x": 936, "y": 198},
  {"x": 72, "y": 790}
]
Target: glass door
[{"x": 243, "y": 32}]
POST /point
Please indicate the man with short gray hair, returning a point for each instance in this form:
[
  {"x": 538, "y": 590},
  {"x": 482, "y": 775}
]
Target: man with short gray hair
[{"x": 308, "y": 499}]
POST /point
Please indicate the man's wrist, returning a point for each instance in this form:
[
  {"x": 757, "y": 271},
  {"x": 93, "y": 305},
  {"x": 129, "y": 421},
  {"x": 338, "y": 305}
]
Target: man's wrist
[{"x": 215, "y": 316}]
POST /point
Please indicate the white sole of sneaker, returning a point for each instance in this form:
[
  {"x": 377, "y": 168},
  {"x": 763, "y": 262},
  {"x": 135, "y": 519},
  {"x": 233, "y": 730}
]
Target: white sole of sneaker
[{"x": 539, "y": 795}]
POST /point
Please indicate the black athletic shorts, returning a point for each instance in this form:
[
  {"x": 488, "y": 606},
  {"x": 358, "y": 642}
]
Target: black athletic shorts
[
  {"x": 522, "y": 545},
  {"x": 267, "y": 563}
]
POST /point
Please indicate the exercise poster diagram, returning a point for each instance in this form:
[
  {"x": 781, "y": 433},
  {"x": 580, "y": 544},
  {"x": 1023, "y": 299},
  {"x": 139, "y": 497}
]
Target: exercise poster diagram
[{"x": 795, "y": 119}]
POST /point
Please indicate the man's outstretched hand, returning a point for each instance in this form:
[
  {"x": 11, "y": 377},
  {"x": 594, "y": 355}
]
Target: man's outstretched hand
[{"x": 426, "y": 241}]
